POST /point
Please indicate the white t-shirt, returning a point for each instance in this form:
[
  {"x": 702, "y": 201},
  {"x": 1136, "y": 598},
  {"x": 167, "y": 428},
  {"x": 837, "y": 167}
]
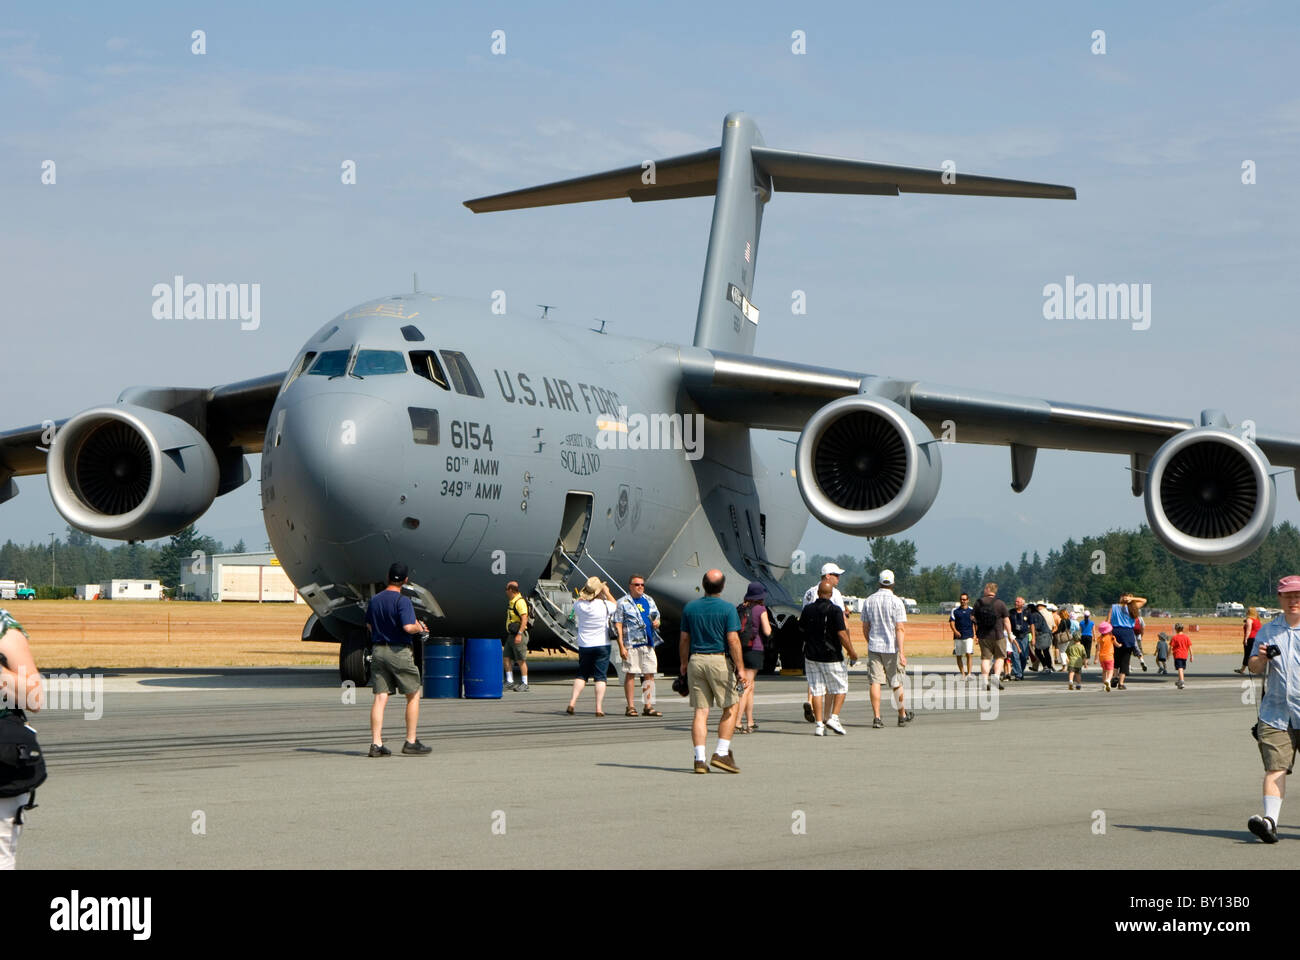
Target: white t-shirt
[
  {"x": 883, "y": 610},
  {"x": 836, "y": 597},
  {"x": 593, "y": 621}
]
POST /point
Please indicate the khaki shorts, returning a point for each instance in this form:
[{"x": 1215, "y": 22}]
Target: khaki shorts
[
  {"x": 641, "y": 660},
  {"x": 1277, "y": 747},
  {"x": 883, "y": 668},
  {"x": 711, "y": 681},
  {"x": 393, "y": 668},
  {"x": 995, "y": 649},
  {"x": 515, "y": 647}
]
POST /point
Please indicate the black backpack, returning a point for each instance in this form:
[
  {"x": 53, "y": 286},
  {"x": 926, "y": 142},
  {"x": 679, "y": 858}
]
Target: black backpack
[
  {"x": 22, "y": 766},
  {"x": 746, "y": 626},
  {"x": 986, "y": 617}
]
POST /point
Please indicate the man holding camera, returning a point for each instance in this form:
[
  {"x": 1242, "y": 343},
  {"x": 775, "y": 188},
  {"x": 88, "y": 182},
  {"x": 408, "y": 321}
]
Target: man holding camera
[
  {"x": 515, "y": 648},
  {"x": 391, "y": 624},
  {"x": 1277, "y": 651}
]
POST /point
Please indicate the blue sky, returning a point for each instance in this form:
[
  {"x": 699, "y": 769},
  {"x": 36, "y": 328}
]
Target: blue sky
[{"x": 225, "y": 167}]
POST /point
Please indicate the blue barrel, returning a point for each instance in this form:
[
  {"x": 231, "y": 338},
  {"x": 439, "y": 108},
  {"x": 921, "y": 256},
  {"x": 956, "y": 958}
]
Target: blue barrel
[
  {"x": 442, "y": 667},
  {"x": 483, "y": 668}
]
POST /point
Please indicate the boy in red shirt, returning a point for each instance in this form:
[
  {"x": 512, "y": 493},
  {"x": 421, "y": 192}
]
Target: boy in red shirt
[{"x": 1180, "y": 645}]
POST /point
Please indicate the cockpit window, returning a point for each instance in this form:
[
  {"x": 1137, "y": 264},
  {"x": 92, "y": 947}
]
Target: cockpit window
[
  {"x": 331, "y": 363},
  {"x": 332, "y": 330},
  {"x": 373, "y": 363},
  {"x": 462, "y": 374},
  {"x": 307, "y": 358},
  {"x": 425, "y": 363},
  {"x": 412, "y": 333}
]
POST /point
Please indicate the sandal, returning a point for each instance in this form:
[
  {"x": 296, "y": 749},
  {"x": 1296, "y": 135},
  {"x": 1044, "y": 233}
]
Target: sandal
[
  {"x": 569, "y": 710},
  {"x": 599, "y": 713},
  {"x": 651, "y": 712},
  {"x": 631, "y": 712},
  {"x": 742, "y": 729},
  {"x": 753, "y": 727}
]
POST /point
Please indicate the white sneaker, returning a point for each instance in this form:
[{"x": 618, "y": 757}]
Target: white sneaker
[
  {"x": 834, "y": 724},
  {"x": 819, "y": 730}
]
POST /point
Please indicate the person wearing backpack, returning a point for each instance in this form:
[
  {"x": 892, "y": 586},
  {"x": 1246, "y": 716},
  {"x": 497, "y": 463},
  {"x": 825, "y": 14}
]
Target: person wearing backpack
[
  {"x": 20, "y": 692},
  {"x": 755, "y": 633},
  {"x": 992, "y": 627},
  {"x": 515, "y": 648}
]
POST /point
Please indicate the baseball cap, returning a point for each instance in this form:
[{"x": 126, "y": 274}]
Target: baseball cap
[
  {"x": 887, "y": 577},
  {"x": 397, "y": 572},
  {"x": 1289, "y": 584},
  {"x": 832, "y": 568}
]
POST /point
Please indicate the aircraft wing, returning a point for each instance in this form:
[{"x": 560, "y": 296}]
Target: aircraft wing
[
  {"x": 780, "y": 395},
  {"x": 231, "y": 416}
]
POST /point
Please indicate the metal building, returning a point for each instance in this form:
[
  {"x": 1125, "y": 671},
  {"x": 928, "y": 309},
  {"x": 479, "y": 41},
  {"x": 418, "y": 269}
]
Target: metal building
[{"x": 250, "y": 577}]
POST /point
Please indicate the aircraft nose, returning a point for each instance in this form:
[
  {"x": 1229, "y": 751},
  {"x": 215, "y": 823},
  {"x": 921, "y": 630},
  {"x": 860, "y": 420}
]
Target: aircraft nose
[{"x": 339, "y": 464}]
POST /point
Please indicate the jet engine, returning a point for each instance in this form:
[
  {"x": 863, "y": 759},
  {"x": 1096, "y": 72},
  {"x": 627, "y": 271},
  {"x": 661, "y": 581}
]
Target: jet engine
[
  {"x": 867, "y": 466},
  {"x": 130, "y": 473},
  {"x": 1210, "y": 496}
]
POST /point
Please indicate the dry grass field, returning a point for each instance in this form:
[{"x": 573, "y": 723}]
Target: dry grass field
[{"x": 120, "y": 634}]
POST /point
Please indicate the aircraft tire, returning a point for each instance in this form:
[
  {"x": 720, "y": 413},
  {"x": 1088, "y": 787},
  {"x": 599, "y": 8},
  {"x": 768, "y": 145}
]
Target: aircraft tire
[{"x": 353, "y": 664}]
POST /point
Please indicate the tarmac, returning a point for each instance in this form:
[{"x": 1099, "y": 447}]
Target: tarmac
[{"x": 249, "y": 768}]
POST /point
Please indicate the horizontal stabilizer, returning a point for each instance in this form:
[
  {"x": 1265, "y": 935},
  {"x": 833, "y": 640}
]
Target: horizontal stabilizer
[
  {"x": 690, "y": 175},
  {"x": 795, "y": 172}
]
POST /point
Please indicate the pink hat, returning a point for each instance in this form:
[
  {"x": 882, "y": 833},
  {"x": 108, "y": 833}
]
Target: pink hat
[
  {"x": 1289, "y": 584},
  {"x": 1104, "y": 628}
]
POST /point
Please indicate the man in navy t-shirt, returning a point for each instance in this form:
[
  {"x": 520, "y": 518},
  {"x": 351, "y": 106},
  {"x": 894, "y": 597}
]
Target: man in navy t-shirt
[
  {"x": 963, "y": 634},
  {"x": 391, "y": 624}
]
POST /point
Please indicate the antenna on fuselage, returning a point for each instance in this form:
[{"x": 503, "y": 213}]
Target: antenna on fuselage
[
  {"x": 546, "y": 310},
  {"x": 602, "y": 326},
  {"x": 415, "y": 283}
]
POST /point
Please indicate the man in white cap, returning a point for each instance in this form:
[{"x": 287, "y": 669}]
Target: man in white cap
[
  {"x": 831, "y": 573},
  {"x": 1277, "y": 652},
  {"x": 883, "y": 616}
]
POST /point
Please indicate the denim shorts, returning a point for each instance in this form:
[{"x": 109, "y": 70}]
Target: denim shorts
[{"x": 593, "y": 663}]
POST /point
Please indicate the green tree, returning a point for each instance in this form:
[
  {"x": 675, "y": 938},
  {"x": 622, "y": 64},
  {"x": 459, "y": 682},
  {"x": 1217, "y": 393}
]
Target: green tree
[{"x": 896, "y": 555}]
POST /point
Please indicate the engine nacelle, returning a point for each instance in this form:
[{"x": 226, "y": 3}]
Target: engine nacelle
[
  {"x": 1210, "y": 496},
  {"x": 130, "y": 473},
  {"x": 867, "y": 466}
]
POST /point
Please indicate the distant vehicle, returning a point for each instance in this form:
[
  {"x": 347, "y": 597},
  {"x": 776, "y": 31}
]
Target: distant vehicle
[
  {"x": 948, "y": 606},
  {"x": 1229, "y": 610},
  {"x": 16, "y": 590},
  {"x": 911, "y": 605}
]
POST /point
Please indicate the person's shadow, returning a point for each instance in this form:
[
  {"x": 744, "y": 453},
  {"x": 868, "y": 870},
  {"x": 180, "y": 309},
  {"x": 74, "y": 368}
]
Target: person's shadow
[
  {"x": 1241, "y": 836},
  {"x": 645, "y": 766}
]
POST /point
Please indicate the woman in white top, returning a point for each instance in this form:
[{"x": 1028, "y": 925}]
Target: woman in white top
[{"x": 592, "y": 611}]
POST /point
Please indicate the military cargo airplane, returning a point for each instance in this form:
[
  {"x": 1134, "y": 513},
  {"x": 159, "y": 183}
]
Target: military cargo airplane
[{"x": 410, "y": 428}]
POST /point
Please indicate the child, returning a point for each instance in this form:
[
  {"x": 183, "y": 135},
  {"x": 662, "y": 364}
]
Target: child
[
  {"x": 1181, "y": 647},
  {"x": 1162, "y": 653},
  {"x": 1075, "y": 655},
  {"x": 1105, "y": 653}
]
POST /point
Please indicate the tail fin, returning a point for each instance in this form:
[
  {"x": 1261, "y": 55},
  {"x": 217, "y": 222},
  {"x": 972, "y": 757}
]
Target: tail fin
[{"x": 742, "y": 173}]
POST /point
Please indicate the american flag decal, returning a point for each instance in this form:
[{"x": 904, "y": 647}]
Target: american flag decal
[{"x": 747, "y": 251}]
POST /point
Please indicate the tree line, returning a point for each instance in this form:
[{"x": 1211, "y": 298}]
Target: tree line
[
  {"x": 79, "y": 558},
  {"x": 1093, "y": 571}
]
